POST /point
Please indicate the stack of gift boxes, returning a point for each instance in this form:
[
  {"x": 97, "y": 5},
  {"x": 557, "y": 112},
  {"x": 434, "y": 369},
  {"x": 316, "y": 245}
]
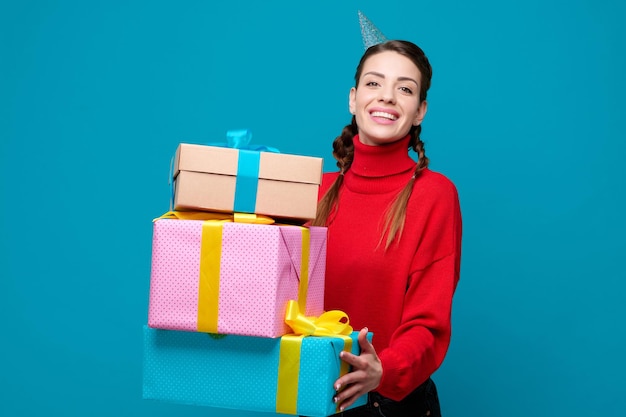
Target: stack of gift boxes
[{"x": 236, "y": 315}]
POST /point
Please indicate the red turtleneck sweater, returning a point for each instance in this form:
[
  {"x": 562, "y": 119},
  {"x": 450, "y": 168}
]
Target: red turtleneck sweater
[{"x": 403, "y": 295}]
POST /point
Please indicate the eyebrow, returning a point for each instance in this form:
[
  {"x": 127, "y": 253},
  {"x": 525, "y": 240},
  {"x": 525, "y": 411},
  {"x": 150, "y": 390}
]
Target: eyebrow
[{"x": 378, "y": 74}]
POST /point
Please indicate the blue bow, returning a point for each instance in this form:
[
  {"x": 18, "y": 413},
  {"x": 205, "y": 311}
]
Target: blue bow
[
  {"x": 247, "y": 171},
  {"x": 240, "y": 139}
]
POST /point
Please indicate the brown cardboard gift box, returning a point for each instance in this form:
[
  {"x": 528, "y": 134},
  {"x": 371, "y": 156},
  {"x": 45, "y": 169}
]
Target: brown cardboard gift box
[{"x": 205, "y": 179}]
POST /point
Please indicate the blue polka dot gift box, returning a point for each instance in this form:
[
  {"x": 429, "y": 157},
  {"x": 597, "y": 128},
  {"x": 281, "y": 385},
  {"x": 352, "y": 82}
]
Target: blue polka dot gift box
[
  {"x": 224, "y": 275},
  {"x": 288, "y": 375}
]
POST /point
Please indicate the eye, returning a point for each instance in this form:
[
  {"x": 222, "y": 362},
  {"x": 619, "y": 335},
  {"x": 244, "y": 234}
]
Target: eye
[
  {"x": 372, "y": 84},
  {"x": 407, "y": 90}
]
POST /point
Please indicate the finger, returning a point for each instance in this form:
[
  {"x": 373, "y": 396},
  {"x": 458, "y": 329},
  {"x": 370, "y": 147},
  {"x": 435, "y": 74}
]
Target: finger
[
  {"x": 347, "y": 391},
  {"x": 349, "y": 358},
  {"x": 348, "y": 380},
  {"x": 347, "y": 403},
  {"x": 345, "y": 394},
  {"x": 347, "y": 397}
]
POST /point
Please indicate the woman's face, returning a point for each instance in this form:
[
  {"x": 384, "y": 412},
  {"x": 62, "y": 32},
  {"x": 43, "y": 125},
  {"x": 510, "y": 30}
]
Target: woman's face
[{"x": 386, "y": 100}]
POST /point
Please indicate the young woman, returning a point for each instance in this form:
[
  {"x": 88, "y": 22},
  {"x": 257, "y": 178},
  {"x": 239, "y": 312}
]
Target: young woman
[{"x": 394, "y": 238}]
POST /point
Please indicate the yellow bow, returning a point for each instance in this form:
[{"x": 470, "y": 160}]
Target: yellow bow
[
  {"x": 227, "y": 217},
  {"x": 330, "y": 323}
]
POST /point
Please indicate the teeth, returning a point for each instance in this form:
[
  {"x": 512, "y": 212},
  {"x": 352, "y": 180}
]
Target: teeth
[{"x": 384, "y": 114}]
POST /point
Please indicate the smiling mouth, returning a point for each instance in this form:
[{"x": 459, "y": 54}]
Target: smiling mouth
[{"x": 384, "y": 115}]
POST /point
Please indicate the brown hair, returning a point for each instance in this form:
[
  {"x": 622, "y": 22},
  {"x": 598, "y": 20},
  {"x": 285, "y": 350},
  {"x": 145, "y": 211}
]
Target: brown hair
[{"x": 343, "y": 147}]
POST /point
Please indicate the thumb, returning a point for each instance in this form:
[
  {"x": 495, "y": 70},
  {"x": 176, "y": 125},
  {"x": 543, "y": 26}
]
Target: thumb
[{"x": 366, "y": 346}]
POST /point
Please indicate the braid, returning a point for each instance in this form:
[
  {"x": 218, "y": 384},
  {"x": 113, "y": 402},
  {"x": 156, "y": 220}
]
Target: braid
[
  {"x": 418, "y": 147},
  {"x": 343, "y": 146},
  {"x": 343, "y": 151}
]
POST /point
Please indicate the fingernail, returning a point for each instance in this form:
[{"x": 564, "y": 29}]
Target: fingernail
[
  {"x": 334, "y": 399},
  {"x": 337, "y": 387}
]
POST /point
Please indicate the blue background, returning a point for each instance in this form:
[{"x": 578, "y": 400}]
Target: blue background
[{"x": 525, "y": 116}]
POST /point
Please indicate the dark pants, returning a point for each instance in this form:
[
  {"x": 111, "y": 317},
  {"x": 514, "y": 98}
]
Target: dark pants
[{"x": 420, "y": 403}]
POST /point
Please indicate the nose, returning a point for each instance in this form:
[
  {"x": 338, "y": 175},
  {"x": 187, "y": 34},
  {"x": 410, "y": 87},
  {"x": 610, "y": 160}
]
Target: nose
[{"x": 387, "y": 95}]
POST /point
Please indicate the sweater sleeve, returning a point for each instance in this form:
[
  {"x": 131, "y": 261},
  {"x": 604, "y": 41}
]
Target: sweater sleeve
[{"x": 418, "y": 346}]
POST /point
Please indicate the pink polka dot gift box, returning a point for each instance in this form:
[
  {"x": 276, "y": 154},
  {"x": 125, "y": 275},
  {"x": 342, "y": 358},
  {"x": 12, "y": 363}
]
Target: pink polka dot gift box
[{"x": 234, "y": 278}]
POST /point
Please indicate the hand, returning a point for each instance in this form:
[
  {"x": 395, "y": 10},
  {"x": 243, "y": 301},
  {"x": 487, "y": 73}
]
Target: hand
[{"x": 365, "y": 376}]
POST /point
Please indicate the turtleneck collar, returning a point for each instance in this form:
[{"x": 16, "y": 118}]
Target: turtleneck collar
[
  {"x": 382, "y": 160},
  {"x": 377, "y": 169}
]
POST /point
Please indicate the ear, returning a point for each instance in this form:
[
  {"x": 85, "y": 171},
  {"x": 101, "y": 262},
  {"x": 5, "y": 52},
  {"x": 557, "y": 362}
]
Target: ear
[
  {"x": 352, "y": 100},
  {"x": 421, "y": 113}
]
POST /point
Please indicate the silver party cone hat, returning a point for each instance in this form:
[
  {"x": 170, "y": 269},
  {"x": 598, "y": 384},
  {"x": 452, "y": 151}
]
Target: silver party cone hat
[{"x": 370, "y": 33}]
